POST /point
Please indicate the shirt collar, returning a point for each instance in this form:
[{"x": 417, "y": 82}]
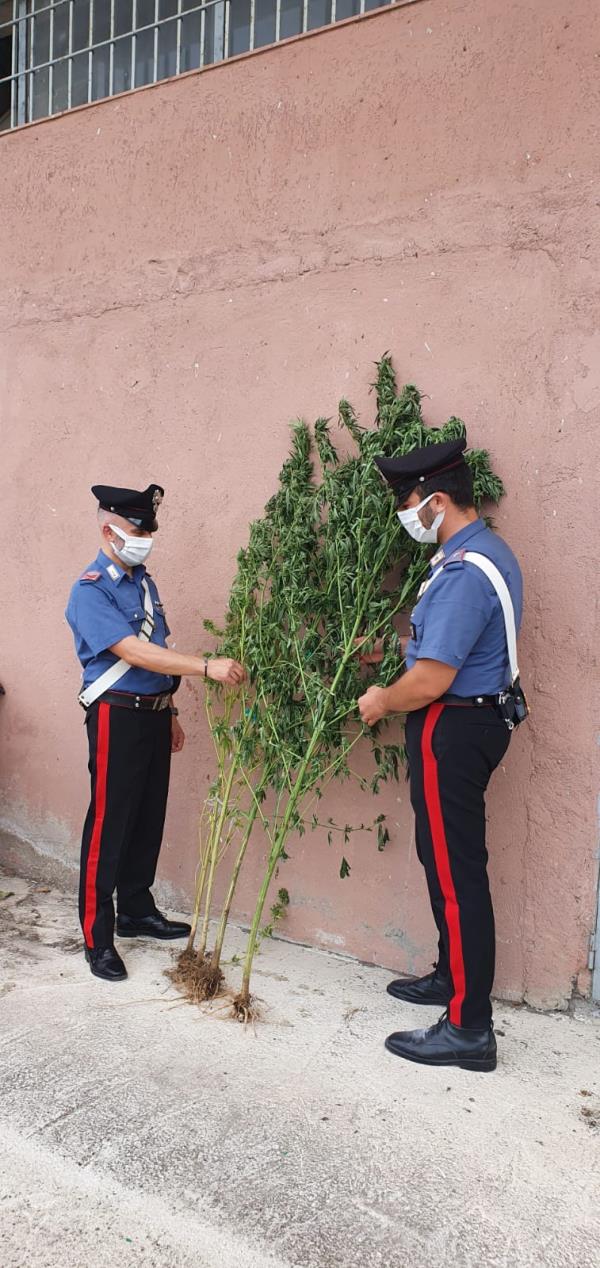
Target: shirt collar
[
  {"x": 464, "y": 535},
  {"x": 115, "y": 571}
]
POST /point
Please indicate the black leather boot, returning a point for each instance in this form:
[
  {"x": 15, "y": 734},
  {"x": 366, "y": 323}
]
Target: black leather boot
[
  {"x": 445, "y": 1044},
  {"x": 435, "y": 988},
  {"x": 105, "y": 962},
  {"x": 154, "y": 926}
]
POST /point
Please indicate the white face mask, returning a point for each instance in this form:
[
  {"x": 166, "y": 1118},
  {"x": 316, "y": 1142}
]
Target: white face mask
[
  {"x": 134, "y": 551},
  {"x": 411, "y": 522}
]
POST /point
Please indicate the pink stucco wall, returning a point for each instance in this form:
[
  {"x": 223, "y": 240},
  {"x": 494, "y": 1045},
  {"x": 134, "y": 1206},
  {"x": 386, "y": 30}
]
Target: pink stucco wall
[{"x": 184, "y": 269}]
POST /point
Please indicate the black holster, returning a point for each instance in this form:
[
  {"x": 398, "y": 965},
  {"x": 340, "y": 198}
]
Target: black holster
[{"x": 512, "y": 705}]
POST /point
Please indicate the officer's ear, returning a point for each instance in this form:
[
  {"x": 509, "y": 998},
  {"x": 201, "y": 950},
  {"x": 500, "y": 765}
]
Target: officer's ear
[{"x": 108, "y": 534}]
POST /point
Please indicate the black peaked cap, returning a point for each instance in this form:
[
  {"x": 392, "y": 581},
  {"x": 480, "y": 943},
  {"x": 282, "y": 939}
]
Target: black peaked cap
[
  {"x": 137, "y": 507},
  {"x": 406, "y": 473}
]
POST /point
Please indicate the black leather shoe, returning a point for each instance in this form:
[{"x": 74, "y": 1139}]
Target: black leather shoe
[
  {"x": 106, "y": 962},
  {"x": 154, "y": 926},
  {"x": 445, "y": 1044},
  {"x": 432, "y": 989}
]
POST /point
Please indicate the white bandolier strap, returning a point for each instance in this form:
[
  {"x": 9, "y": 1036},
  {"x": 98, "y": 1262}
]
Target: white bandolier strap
[
  {"x": 116, "y": 671},
  {"x": 494, "y": 575}
]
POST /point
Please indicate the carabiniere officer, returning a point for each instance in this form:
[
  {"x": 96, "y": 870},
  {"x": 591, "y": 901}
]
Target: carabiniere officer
[
  {"x": 457, "y": 669},
  {"x": 129, "y": 679}
]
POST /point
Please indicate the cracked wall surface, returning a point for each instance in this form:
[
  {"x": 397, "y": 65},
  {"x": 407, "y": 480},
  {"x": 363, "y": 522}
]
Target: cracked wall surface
[{"x": 185, "y": 269}]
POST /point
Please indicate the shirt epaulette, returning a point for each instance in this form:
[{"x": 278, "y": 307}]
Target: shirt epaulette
[
  {"x": 455, "y": 558},
  {"x": 90, "y": 576}
]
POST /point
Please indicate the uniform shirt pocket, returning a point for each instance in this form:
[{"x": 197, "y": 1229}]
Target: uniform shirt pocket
[
  {"x": 160, "y": 620},
  {"x": 416, "y": 634},
  {"x": 417, "y": 623},
  {"x": 134, "y": 613}
]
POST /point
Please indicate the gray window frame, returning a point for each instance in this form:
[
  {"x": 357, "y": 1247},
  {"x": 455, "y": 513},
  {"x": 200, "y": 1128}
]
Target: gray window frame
[{"x": 46, "y": 84}]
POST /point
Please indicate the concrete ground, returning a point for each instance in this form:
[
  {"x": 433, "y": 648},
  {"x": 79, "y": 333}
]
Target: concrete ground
[{"x": 137, "y": 1130}]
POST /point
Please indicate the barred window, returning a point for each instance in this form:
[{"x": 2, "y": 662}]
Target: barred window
[{"x": 58, "y": 54}]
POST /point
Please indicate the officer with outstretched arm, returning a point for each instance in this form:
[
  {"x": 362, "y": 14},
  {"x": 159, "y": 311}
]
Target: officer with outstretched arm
[
  {"x": 462, "y": 697},
  {"x": 129, "y": 680}
]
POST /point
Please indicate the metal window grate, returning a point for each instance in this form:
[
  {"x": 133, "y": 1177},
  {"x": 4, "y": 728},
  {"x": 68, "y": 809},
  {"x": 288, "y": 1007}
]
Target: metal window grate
[{"x": 58, "y": 54}]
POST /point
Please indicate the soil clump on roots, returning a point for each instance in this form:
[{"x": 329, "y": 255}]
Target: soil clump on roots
[
  {"x": 196, "y": 977},
  {"x": 245, "y": 1009}
]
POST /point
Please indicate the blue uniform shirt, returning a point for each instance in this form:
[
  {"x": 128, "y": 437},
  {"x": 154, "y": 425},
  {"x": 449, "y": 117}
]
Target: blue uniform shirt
[
  {"x": 459, "y": 619},
  {"x": 106, "y": 605}
]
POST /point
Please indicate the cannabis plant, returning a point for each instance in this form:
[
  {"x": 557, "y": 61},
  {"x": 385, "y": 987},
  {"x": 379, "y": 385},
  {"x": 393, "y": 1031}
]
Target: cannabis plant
[{"x": 327, "y": 564}]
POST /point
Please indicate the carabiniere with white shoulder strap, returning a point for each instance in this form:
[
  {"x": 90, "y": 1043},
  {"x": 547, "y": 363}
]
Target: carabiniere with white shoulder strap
[
  {"x": 108, "y": 679},
  {"x": 511, "y": 702}
]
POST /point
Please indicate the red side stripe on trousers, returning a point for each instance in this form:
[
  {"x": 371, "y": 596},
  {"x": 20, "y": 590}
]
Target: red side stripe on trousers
[
  {"x": 442, "y": 863},
  {"x": 91, "y": 871}
]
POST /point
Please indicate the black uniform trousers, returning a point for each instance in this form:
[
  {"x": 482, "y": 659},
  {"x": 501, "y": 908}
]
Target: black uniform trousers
[
  {"x": 130, "y": 758},
  {"x": 452, "y": 751}
]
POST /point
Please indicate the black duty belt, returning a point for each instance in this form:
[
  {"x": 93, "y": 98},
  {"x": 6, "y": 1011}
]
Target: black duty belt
[
  {"x": 127, "y": 700},
  {"x": 471, "y": 702}
]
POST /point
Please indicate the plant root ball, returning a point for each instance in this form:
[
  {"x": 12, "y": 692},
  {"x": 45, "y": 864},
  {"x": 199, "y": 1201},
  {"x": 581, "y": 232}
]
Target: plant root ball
[
  {"x": 197, "y": 978},
  {"x": 245, "y": 1009}
]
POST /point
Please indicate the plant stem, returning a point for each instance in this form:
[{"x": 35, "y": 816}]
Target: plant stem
[
  {"x": 214, "y": 853},
  {"x": 200, "y": 883},
  {"x": 218, "y": 947},
  {"x": 296, "y": 793}
]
